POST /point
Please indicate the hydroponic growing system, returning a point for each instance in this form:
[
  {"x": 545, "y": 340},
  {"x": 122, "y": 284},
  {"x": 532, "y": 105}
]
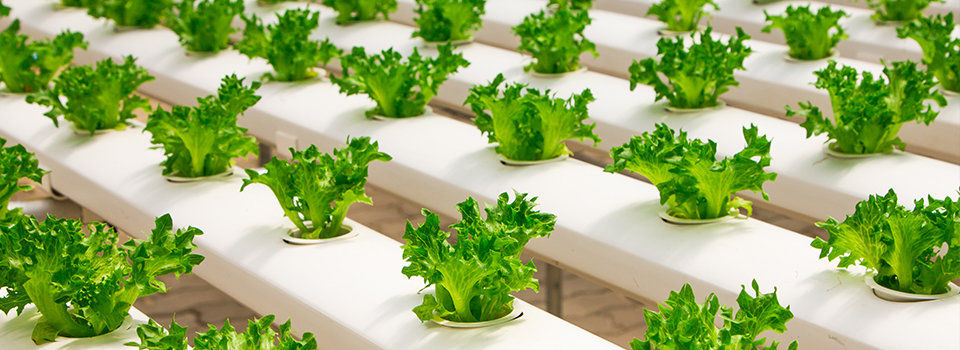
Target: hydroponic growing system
[{"x": 844, "y": 112}]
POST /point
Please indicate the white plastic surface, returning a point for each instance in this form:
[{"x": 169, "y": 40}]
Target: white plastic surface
[
  {"x": 767, "y": 85},
  {"x": 350, "y": 293},
  {"x": 867, "y": 41},
  {"x": 513, "y": 315},
  {"x": 898, "y": 296},
  {"x": 15, "y": 333},
  {"x": 294, "y": 236},
  {"x": 615, "y": 236}
]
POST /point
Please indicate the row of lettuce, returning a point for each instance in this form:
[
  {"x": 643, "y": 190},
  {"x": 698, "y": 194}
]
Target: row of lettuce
[
  {"x": 443, "y": 20},
  {"x": 868, "y": 110},
  {"x": 681, "y": 15},
  {"x": 553, "y": 37}
]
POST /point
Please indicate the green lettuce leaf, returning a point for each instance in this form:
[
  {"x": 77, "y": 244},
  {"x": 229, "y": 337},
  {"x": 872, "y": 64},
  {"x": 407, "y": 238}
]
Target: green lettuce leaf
[
  {"x": 555, "y": 40},
  {"x": 77, "y": 3},
  {"x": 447, "y": 20},
  {"x": 28, "y": 66},
  {"x": 868, "y": 112},
  {"x": 693, "y": 183},
  {"x": 350, "y": 11},
  {"x": 204, "y": 140},
  {"x": 810, "y": 36},
  {"x": 899, "y": 10},
  {"x": 579, "y": 5},
  {"x": 910, "y": 251},
  {"x": 682, "y": 323},
  {"x": 400, "y": 88},
  {"x": 941, "y": 52},
  {"x": 84, "y": 284},
  {"x": 16, "y": 164},
  {"x": 98, "y": 97},
  {"x": 286, "y": 45},
  {"x": 697, "y": 73},
  {"x": 681, "y": 15},
  {"x": 204, "y": 25},
  {"x": 316, "y": 189},
  {"x": 129, "y": 13},
  {"x": 474, "y": 276},
  {"x": 258, "y": 336},
  {"x": 527, "y": 124}
]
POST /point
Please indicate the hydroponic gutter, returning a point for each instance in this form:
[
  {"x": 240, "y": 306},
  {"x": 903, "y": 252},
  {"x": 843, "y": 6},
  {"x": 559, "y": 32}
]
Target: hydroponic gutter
[
  {"x": 15, "y": 332},
  {"x": 769, "y": 82},
  {"x": 868, "y": 41},
  {"x": 350, "y": 293},
  {"x": 863, "y": 43},
  {"x": 616, "y": 237}
]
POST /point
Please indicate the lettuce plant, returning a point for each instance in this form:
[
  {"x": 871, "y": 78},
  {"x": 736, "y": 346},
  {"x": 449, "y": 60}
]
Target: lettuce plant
[
  {"x": 868, "y": 112},
  {"x": 693, "y": 183},
  {"x": 579, "y": 5},
  {"x": 4, "y": 10},
  {"x": 810, "y": 36},
  {"x": 556, "y": 41},
  {"x": 681, "y": 15},
  {"x": 204, "y": 25},
  {"x": 286, "y": 45},
  {"x": 350, "y": 11},
  {"x": 941, "y": 53},
  {"x": 84, "y": 284},
  {"x": 316, "y": 190},
  {"x": 130, "y": 13},
  {"x": 527, "y": 124},
  {"x": 15, "y": 164},
  {"x": 28, "y": 66},
  {"x": 259, "y": 335},
  {"x": 98, "y": 97},
  {"x": 75, "y": 3},
  {"x": 400, "y": 88},
  {"x": 697, "y": 74},
  {"x": 898, "y": 10},
  {"x": 912, "y": 251},
  {"x": 447, "y": 20},
  {"x": 203, "y": 140},
  {"x": 474, "y": 276},
  {"x": 682, "y": 323}
]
